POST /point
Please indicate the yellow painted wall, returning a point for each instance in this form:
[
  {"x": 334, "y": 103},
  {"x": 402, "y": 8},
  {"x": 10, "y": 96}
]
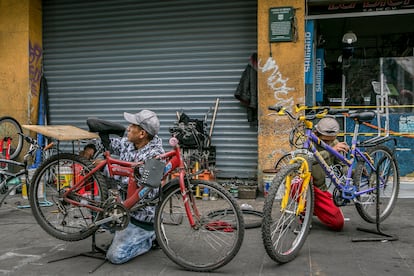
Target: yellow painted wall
[
  {"x": 280, "y": 81},
  {"x": 14, "y": 82},
  {"x": 20, "y": 58},
  {"x": 20, "y": 24}
]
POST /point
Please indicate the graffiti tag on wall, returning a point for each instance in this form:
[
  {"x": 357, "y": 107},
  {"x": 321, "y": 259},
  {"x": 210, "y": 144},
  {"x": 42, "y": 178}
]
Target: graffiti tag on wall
[
  {"x": 35, "y": 67},
  {"x": 277, "y": 83},
  {"x": 35, "y": 74}
]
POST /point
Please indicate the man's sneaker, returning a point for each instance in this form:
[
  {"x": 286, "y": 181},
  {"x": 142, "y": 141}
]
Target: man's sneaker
[{"x": 155, "y": 244}]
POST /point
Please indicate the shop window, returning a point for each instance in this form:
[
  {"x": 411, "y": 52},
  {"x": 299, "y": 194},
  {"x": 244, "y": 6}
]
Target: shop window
[{"x": 363, "y": 83}]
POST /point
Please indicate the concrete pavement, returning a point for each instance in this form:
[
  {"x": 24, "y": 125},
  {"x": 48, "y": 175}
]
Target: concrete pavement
[{"x": 27, "y": 250}]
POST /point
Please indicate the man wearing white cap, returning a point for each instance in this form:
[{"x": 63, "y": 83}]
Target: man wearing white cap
[{"x": 140, "y": 144}]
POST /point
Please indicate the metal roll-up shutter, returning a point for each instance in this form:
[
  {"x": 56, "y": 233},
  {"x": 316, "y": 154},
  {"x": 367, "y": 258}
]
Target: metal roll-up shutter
[{"x": 102, "y": 58}]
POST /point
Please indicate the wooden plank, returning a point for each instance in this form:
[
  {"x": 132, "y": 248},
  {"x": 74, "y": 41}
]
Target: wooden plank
[{"x": 62, "y": 132}]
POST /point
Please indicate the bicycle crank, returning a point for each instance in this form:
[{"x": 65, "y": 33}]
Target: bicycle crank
[
  {"x": 116, "y": 217},
  {"x": 338, "y": 199}
]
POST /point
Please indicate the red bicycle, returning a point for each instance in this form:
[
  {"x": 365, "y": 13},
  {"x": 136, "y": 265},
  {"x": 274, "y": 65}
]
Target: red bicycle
[{"x": 199, "y": 235}]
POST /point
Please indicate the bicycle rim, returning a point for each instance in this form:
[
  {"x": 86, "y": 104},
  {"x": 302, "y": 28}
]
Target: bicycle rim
[
  {"x": 365, "y": 178},
  {"x": 56, "y": 216},
  {"x": 284, "y": 232},
  {"x": 215, "y": 240},
  {"x": 9, "y": 128}
]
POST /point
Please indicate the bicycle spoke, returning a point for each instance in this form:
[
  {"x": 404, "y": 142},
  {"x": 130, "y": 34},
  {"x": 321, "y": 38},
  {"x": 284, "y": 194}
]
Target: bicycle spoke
[
  {"x": 366, "y": 180},
  {"x": 217, "y": 233},
  {"x": 68, "y": 218},
  {"x": 11, "y": 141},
  {"x": 283, "y": 231}
]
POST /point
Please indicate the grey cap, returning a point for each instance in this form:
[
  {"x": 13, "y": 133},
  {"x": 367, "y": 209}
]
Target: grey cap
[
  {"x": 146, "y": 119},
  {"x": 328, "y": 126}
]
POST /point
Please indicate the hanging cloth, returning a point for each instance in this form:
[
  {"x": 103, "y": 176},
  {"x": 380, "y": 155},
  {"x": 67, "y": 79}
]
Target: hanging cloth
[{"x": 246, "y": 91}]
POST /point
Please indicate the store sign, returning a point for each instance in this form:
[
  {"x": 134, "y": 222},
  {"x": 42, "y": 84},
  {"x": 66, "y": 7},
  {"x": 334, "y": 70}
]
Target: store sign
[
  {"x": 319, "y": 65},
  {"x": 361, "y": 6},
  {"x": 309, "y": 34},
  {"x": 281, "y": 24}
]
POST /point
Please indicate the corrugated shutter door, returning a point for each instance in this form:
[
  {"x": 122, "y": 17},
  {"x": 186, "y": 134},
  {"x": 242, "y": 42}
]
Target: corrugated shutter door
[{"x": 102, "y": 58}]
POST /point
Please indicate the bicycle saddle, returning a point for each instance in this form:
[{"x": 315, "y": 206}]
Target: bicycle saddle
[
  {"x": 104, "y": 129},
  {"x": 364, "y": 116}
]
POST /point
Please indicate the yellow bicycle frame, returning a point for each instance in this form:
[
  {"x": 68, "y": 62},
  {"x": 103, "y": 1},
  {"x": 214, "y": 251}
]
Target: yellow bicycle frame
[{"x": 305, "y": 175}]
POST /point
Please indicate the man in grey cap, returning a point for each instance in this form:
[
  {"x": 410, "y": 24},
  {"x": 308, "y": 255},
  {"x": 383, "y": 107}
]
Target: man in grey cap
[
  {"x": 328, "y": 213},
  {"x": 141, "y": 143}
]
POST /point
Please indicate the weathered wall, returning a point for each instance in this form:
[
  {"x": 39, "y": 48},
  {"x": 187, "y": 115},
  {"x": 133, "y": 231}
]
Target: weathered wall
[
  {"x": 280, "y": 80},
  {"x": 20, "y": 36},
  {"x": 35, "y": 56}
]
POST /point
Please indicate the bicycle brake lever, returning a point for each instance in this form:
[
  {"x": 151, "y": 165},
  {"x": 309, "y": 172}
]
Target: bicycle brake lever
[{"x": 276, "y": 108}]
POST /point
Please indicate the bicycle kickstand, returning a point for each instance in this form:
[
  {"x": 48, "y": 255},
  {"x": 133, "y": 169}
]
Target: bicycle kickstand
[
  {"x": 96, "y": 253},
  {"x": 384, "y": 237}
]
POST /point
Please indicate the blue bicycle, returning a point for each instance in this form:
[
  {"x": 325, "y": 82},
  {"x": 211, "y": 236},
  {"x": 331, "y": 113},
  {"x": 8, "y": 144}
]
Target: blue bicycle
[{"x": 369, "y": 166}]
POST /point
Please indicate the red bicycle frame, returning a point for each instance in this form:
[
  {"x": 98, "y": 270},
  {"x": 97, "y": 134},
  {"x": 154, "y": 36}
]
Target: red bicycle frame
[
  {"x": 8, "y": 145},
  {"x": 126, "y": 169}
]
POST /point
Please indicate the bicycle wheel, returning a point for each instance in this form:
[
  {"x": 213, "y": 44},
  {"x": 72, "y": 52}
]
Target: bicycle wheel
[
  {"x": 251, "y": 218},
  {"x": 56, "y": 216},
  {"x": 283, "y": 231},
  {"x": 215, "y": 239},
  {"x": 283, "y": 161},
  {"x": 9, "y": 129},
  {"x": 365, "y": 178}
]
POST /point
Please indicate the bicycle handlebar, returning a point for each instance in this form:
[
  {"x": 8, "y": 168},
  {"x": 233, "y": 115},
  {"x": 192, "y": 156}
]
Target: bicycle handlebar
[
  {"x": 28, "y": 139},
  {"x": 33, "y": 143},
  {"x": 316, "y": 112}
]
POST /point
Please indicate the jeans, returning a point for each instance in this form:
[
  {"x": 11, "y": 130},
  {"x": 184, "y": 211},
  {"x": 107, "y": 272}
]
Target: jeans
[{"x": 129, "y": 243}]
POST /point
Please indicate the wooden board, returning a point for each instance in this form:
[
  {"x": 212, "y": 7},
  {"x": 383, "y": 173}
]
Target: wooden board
[{"x": 62, "y": 132}]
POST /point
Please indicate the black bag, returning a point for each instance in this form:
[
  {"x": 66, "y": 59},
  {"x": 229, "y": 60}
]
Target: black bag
[
  {"x": 189, "y": 132},
  {"x": 152, "y": 173}
]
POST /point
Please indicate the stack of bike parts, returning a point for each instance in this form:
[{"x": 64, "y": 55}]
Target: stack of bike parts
[
  {"x": 195, "y": 136},
  {"x": 241, "y": 188},
  {"x": 209, "y": 151},
  {"x": 248, "y": 190}
]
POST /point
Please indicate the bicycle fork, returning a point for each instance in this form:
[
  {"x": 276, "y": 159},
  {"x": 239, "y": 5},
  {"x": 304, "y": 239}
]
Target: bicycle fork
[
  {"x": 185, "y": 193},
  {"x": 304, "y": 176}
]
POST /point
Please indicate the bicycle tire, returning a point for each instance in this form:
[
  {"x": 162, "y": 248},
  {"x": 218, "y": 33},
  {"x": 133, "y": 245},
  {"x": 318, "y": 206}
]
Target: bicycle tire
[
  {"x": 4, "y": 188},
  {"x": 252, "y": 218},
  {"x": 283, "y": 232},
  {"x": 56, "y": 216},
  {"x": 364, "y": 178},
  {"x": 283, "y": 161},
  {"x": 10, "y": 127},
  {"x": 213, "y": 242},
  {"x": 297, "y": 135}
]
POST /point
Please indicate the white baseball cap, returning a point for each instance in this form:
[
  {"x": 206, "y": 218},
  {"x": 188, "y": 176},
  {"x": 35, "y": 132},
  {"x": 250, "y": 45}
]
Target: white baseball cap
[{"x": 146, "y": 119}]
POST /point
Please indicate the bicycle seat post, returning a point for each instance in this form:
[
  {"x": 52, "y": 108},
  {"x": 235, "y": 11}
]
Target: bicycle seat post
[{"x": 356, "y": 132}]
